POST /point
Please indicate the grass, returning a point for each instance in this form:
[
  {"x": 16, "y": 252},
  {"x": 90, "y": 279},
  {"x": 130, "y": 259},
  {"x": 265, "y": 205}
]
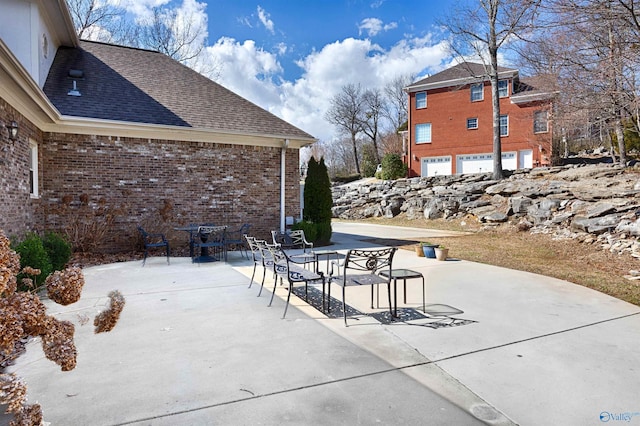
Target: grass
[{"x": 580, "y": 263}]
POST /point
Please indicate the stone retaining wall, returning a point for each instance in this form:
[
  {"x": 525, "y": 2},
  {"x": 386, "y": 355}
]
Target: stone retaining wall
[{"x": 592, "y": 203}]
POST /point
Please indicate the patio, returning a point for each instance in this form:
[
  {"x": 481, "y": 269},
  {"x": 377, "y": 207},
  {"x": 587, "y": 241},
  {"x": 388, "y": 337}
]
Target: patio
[{"x": 195, "y": 346}]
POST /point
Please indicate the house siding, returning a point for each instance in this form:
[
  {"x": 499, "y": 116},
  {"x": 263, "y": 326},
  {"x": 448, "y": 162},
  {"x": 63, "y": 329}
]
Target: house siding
[
  {"x": 108, "y": 185},
  {"x": 448, "y": 110}
]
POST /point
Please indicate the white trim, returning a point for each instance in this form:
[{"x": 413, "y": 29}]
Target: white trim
[{"x": 33, "y": 170}]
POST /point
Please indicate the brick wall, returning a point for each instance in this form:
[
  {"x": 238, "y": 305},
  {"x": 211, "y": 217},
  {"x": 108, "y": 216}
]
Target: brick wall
[
  {"x": 17, "y": 209},
  {"x": 105, "y": 186},
  {"x": 448, "y": 109}
]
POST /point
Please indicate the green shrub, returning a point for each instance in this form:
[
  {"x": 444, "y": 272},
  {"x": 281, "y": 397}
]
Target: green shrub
[
  {"x": 58, "y": 249},
  {"x": 309, "y": 228},
  {"x": 317, "y": 233},
  {"x": 324, "y": 233},
  {"x": 393, "y": 167},
  {"x": 317, "y": 193},
  {"x": 32, "y": 253}
]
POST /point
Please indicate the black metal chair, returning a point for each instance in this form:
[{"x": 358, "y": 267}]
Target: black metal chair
[
  {"x": 235, "y": 239},
  {"x": 152, "y": 241},
  {"x": 362, "y": 267}
]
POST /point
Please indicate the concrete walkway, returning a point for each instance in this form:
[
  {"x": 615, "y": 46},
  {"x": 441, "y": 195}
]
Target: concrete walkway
[{"x": 195, "y": 346}]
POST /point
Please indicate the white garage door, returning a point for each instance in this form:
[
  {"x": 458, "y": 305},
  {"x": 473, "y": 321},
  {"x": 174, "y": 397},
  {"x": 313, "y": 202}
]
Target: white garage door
[
  {"x": 526, "y": 159},
  {"x": 435, "y": 166},
  {"x": 483, "y": 163}
]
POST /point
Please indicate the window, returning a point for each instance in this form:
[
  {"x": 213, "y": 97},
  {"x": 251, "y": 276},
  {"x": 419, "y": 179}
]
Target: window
[
  {"x": 472, "y": 123},
  {"x": 421, "y": 100},
  {"x": 33, "y": 169},
  {"x": 504, "y": 125},
  {"x": 540, "y": 122},
  {"x": 477, "y": 92},
  {"x": 503, "y": 88},
  {"x": 423, "y": 133}
]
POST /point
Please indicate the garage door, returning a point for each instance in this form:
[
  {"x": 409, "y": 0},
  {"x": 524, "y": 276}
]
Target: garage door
[
  {"x": 483, "y": 163},
  {"x": 435, "y": 166}
]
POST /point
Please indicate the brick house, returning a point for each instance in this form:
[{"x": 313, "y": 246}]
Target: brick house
[
  {"x": 451, "y": 127},
  {"x": 110, "y": 137}
]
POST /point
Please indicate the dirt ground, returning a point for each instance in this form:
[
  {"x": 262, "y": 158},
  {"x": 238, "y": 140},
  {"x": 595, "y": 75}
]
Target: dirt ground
[{"x": 585, "y": 264}]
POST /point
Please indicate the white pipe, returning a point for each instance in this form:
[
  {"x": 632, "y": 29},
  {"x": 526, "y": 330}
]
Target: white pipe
[{"x": 283, "y": 178}]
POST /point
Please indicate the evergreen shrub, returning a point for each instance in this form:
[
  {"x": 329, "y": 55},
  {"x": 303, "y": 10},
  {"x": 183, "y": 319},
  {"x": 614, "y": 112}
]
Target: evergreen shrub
[
  {"x": 32, "y": 253},
  {"x": 58, "y": 249}
]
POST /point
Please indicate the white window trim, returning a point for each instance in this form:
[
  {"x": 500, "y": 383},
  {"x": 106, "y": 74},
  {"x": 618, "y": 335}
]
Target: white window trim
[
  {"x": 506, "y": 134},
  {"x": 472, "y": 128},
  {"x": 425, "y": 100},
  {"x": 481, "y": 92},
  {"x": 534, "y": 122},
  {"x": 33, "y": 169},
  {"x": 430, "y": 133}
]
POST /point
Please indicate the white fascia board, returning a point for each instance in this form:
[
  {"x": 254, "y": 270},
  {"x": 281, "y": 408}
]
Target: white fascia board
[{"x": 533, "y": 97}]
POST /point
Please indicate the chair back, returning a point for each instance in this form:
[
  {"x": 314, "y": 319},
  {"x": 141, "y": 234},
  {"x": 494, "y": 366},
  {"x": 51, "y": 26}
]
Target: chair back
[
  {"x": 253, "y": 246},
  {"x": 291, "y": 240},
  {"x": 145, "y": 234},
  {"x": 369, "y": 260}
]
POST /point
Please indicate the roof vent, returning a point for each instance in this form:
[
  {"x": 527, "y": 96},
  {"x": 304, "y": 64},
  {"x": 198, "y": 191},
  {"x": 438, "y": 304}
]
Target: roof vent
[
  {"x": 76, "y": 73},
  {"x": 74, "y": 91}
]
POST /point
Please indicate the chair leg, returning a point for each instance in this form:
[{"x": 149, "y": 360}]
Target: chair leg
[
  {"x": 344, "y": 306},
  {"x": 389, "y": 293},
  {"x": 264, "y": 274},
  {"x": 286, "y": 306},
  {"x": 144, "y": 259},
  {"x": 253, "y": 275},
  {"x": 168, "y": 255},
  {"x": 275, "y": 285}
]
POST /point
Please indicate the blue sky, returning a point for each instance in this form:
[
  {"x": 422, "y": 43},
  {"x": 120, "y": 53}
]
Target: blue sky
[{"x": 292, "y": 56}]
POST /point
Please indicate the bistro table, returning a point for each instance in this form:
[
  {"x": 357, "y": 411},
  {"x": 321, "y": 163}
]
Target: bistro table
[
  {"x": 204, "y": 237},
  {"x": 403, "y": 274}
]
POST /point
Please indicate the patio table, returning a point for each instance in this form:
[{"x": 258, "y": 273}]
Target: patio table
[
  {"x": 403, "y": 274},
  {"x": 204, "y": 251}
]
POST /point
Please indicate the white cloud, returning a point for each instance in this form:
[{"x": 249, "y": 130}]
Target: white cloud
[
  {"x": 258, "y": 76},
  {"x": 373, "y": 26},
  {"x": 265, "y": 19}
]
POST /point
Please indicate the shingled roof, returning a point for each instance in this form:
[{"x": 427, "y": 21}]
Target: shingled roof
[
  {"x": 463, "y": 73},
  {"x": 142, "y": 86}
]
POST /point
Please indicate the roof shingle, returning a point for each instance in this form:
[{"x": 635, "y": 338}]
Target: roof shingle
[{"x": 135, "y": 85}]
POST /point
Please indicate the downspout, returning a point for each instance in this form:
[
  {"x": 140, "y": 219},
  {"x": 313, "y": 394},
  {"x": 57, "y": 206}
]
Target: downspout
[{"x": 283, "y": 179}]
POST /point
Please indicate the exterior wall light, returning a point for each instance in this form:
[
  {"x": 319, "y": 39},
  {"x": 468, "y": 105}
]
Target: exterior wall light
[{"x": 12, "y": 128}]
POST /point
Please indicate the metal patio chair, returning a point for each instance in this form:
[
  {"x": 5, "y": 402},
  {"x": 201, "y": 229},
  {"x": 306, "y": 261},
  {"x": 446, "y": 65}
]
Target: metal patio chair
[
  {"x": 152, "y": 241},
  {"x": 235, "y": 239},
  {"x": 362, "y": 267}
]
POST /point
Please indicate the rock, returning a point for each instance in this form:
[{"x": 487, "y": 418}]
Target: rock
[{"x": 590, "y": 203}]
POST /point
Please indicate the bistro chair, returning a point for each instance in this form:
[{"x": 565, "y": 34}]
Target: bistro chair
[
  {"x": 152, "y": 241},
  {"x": 285, "y": 267},
  {"x": 291, "y": 240},
  {"x": 258, "y": 259},
  {"x": 362, "y": 267},
  {"x": 235, "y": 239}
]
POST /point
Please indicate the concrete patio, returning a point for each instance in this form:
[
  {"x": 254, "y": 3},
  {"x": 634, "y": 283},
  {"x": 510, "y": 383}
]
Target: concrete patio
[{"x": 195, "y": 346}]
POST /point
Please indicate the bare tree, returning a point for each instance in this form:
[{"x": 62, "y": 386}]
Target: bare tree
[
  {"x": 177, "y": 34},
  {"x": 346, "y": 113},
  {"x": 396, "y": 109},
  {"x": 99, "y": 20},
  {"x": 373, "y": 114},
  {"x": 481, "y": 29},
  {"x": 592, "y": 48}
]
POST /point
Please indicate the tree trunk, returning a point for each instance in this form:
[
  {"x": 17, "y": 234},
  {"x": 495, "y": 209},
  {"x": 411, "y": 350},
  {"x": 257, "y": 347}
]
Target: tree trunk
[
  {"x": 355, "y": 152},
  {"x": 495, "y": 96}
]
